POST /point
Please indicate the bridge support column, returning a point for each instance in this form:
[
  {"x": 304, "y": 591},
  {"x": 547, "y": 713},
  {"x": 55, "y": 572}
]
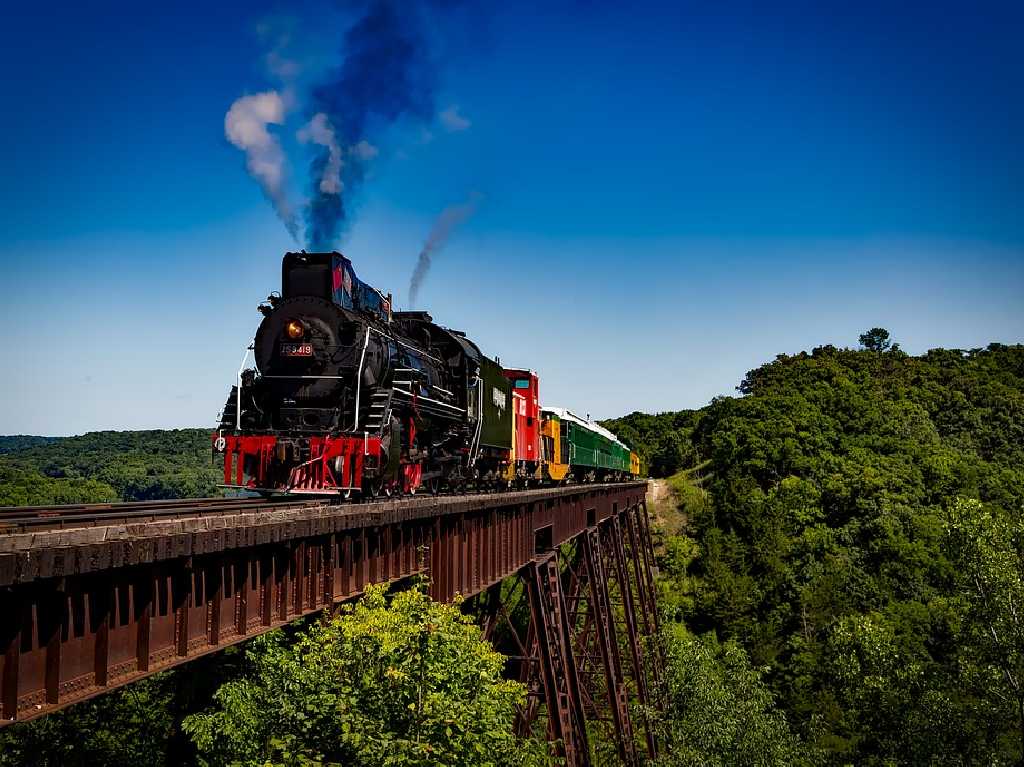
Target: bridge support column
[
  {"x": 565, "y": 621},
  {"x": 559, "y": 672},
  {"x": 613, "y": 540}
]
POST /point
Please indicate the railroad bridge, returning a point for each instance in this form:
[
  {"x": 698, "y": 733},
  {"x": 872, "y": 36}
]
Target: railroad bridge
[{"x": 95, "y": 597}]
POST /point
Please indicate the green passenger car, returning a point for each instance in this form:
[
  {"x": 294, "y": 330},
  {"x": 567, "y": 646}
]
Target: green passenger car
[{"x": 591, "y": 451}]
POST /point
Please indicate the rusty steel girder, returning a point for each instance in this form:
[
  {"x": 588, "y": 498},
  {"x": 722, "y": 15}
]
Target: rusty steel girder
[
  {"x": 85, "y": 610},
  {"x": 569, "y": 652},
  {"x": 89, "y": 608}
]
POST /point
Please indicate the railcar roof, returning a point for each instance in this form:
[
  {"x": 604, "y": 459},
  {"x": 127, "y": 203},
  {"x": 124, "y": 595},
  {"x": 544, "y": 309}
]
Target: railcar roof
[{"x": 567, "y": 415}]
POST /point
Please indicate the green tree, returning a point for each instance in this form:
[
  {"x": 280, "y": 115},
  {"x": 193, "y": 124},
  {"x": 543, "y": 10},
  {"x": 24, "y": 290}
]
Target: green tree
[
  {"x": 875, "y": 340},
  {"x": 125, "y": 728},
  {"x": 988, "y": 546},
  {"x": 406, "y": 683},
  {"x": 719, "y": 711}
]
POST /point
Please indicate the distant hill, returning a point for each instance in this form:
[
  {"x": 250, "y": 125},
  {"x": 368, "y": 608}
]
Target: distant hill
[
  {"x": 15, "y": 442},
  {"x": 107, "y": 465},
  {"x": 662, "y": 440}
]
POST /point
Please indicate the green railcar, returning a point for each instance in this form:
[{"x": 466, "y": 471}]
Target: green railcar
[
  {"x": 496, "y": 391},
  {"x": 489, "y": 399},
  {"x": 589, "y": 449}
]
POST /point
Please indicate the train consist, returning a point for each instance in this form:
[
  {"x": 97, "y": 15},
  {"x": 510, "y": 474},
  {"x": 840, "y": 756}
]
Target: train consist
[{"x": 347, "y": 396}]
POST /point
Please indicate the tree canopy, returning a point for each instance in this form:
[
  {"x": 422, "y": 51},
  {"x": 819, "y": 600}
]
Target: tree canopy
[
  {"x": 407, "y": 683},
  {"x": 106, "y": 466},
  {"x": 859, "y": 545}
]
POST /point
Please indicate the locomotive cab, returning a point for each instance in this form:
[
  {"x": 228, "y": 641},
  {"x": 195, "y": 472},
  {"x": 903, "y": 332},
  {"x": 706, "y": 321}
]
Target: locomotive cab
[{"x": 330, "y": 276}]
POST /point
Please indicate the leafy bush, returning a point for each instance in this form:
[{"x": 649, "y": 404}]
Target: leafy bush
[
  {"x": 719, "y": 712},
  {"x": 410, "y": 683}
]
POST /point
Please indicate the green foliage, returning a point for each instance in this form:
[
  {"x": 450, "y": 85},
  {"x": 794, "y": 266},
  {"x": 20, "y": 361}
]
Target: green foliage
[
  {"x": 137, "y": 465},
  {"x": 125, "y": 728},
  {"x": 719, "y": 711},
  {"x": 15, "y": 442},
  {"x": 829, "y": 552},
  {"x": 662, "y": 441},
  {"x": 29, "y": 488},
  {"x": 988, "y": 547},
  {"x": 410, "y": 683}
]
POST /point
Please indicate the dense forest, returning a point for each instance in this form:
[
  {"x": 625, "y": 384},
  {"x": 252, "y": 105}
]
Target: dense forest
[
  {"x": 852, "y": 525},
  {"x": 841, "y": 556},
  {"x": 107, "y": 466}
]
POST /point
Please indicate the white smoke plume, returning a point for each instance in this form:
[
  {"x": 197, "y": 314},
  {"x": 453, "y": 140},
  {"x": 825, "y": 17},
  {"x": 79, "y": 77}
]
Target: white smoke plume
[
  {"x": 320, "y": 131},
  {"x": 245, "y": 126},
  {"x": 454, "y": 121},
  {"x": 364, "y": 150},
  {"x": 450, "y": 217}
]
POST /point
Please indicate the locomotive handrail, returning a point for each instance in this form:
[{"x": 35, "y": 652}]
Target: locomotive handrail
[
  {"x": 429, "y": 399},
  {"x": 309, "y": 377},
  {"x": 238, "y": 389},
  {"x": 359, "y": 378},
  {"x": 479, "y": 419}
]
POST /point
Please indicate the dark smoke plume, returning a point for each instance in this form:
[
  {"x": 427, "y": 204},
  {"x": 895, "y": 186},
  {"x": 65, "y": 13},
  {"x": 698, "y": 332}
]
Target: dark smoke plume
[
  {"x": 387, "y": 73},
  {"x": 442, "y": 229}
]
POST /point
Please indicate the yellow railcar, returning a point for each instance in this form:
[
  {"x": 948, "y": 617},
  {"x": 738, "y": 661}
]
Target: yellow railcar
[
  {"x": 634, "y": 464},
  {"x": 556, "y": 454}
]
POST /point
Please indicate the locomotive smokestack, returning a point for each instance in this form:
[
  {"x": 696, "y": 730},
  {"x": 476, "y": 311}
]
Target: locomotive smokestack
[{"x": 450, "y": 218}]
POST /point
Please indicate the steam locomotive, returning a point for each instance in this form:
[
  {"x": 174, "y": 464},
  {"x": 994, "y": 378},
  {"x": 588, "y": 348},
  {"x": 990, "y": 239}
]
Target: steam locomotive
[{"x": 346, "y": 396}]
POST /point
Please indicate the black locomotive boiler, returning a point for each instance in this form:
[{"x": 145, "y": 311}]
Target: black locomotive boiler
[{"x": 345, "y": 395}]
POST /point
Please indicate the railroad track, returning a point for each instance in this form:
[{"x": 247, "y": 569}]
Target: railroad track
[
  {"x": 22, "y": 519},
  {"x": 31, "y": 518}
]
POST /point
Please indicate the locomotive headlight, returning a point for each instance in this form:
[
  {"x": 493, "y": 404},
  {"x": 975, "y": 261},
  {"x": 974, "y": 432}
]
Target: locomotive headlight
[{"x": 295, "y": 330}]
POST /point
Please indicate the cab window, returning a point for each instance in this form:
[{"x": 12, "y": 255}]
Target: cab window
[{"x": 522, "y": 383}]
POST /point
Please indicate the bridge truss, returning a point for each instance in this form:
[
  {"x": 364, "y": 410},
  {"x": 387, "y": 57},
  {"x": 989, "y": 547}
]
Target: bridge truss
[{"x": 563, "y": 579}]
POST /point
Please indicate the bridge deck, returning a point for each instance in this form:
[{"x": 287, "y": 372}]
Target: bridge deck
[{"x": 95, "y": 598}]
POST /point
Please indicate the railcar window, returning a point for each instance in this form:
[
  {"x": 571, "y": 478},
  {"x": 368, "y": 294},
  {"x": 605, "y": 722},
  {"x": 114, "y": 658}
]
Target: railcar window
[{"x": 522, "y": 383}]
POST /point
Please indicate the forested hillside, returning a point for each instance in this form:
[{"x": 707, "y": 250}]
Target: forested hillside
[
  {"x": 663, "y": 441},
  {"x": 862, "y": 540},
  {"x": 107, "y": 466}
]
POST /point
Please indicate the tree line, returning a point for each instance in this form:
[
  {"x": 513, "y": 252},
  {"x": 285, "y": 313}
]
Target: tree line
[{"x": 108, "y": 466}]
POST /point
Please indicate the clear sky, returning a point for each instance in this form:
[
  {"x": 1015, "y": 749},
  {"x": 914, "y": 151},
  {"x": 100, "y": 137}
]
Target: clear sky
[{"x": 670, "y": 195}]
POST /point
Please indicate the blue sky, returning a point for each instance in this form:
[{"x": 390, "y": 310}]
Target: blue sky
[{"x": 671, "y": 195}]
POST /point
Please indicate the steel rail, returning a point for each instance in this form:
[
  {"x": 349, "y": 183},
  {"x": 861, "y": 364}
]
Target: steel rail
[
  {"x": 18, "y": 518},
  {"x": 15, "y": 519}
]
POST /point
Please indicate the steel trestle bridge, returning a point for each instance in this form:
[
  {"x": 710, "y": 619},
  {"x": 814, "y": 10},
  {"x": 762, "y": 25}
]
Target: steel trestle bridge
[{"x": 97, "y": 596}]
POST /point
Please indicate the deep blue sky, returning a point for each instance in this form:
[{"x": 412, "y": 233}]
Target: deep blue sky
[{"x": 671, "y": 195}]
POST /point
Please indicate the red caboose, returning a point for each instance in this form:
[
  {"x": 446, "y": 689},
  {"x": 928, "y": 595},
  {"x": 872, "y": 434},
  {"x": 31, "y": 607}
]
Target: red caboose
[{"x": 526, "y": 447}]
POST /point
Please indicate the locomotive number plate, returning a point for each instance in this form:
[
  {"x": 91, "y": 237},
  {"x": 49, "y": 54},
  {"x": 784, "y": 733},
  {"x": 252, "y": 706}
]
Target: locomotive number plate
[{"x": 296, "y": 350}]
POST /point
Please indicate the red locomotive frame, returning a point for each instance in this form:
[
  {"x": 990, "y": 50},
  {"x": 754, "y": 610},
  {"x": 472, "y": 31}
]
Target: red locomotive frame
[{"x": 346, "y": 454}]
